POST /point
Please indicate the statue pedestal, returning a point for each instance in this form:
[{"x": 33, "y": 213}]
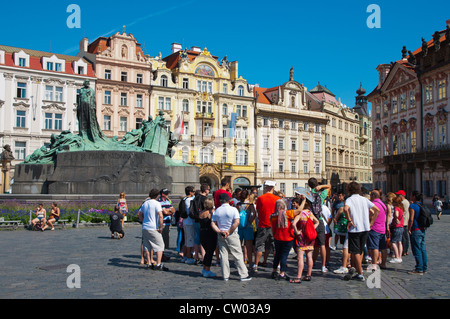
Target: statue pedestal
[{"x": 103, "y": 172}]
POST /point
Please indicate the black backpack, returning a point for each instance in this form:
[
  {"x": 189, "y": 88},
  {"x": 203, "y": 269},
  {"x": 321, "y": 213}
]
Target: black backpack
[
  {"x": 182, "y": 209},
  {"x": 425, "y": 219},
  {"x": 316, "y": 205},
  {"x": 197, "y": 206}
]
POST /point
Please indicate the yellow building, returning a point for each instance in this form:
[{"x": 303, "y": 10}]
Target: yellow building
[{"x": 214, "y": 105}]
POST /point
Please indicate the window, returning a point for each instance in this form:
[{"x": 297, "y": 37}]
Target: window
[
  {"x": 138, "y": 123},
  {"x": 22, "y": 90},
  {"x": 206, "y": 155},
  {"x": 139, "y": 101},
  {"x": 403, "y": 143},
  {"x": 265, "y": 122},
  {"x": 241, "y": 157},
  {"x": 185, "y": 83},
  {"x": 238, "y": 110},
  {"x": 58, "y": 67},
  {"x": 293, "y": 144},
  {"x": 428, "y": 93},
  {"x": 185, "y": 105},
  {"x": 305, "y": 145},
  {"x": 107, "y": 99},
  {"x": 22, "y": 62},
  {"x": 305, "y": 126},
  {"x": 185, "y": 128},
  {"x": 442, "y": 89},
  {"x": 49, "y": 93},
  {"x": 224, "y": 109},
  {"x": 394, "y": 145},
  {"x": 394, "y": 105},
  {"x": 244, "y": 110},
  {"x": 80, "y": 70},
  {"x": 107, "y": 122},
  {"x": 429, "y": 137},
  {"x": 185, "y": 154},
  {"x": 281, "y": 123},
  {"x": 266, "y": 167},
  {"x": 20, "y": 150},
  {"x": 293, "y": 125},
  {"x": 123, "y": 99},
  {"x": 58, "y": 122},
  {"x": 139, "y": 78},
  {"x": 283, "y": 188},
  {"x": 318, "y": 127},
  {"x": 48, "y": 121},
  {"x": 412, "y": 99},
  {"x": 49, "y": 66},
  {"x": 281, "y": 144},
  {"x": 317, "y": 168},
  {"x": 204, "y": 86},
  {"x": 199, "y": 86},
  {"x": 168, "y": 104},
  {"x": 123, "y": 76},
  {"x": 402, "y": 102},
  {"x": 442, "y": 134},
  {"x": 123, "y": 124},
  {"x": 294, "y": 167},
  {"x": 58, "y": 94},
  {"x": 266, "y": 143},
  {"x": 305, "y": 168},
  {"x": 241, "y": 90},
  {"x": 107, "y": 74},
  {"x": 207, "y": 129},
  {"x": 53, "y": 121},
  {"x": 160, "y": 103},
  {"x": 318, "y": 147},
  {"x": 20, "y": 118},
  {"x": 209, "y": 87},
  {"x": 280, "y": 167},
  {"x": 225, "y": 88}
]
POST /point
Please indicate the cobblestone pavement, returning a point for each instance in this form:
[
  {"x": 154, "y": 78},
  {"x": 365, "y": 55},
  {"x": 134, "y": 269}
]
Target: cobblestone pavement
[{"x": 35, "y": 265}]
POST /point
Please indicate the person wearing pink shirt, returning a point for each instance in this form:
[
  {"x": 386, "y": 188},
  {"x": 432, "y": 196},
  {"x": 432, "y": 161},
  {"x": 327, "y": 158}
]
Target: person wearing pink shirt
[{"x": 376, "y": 241}]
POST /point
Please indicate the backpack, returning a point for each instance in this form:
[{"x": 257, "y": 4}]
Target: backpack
[
  {"x": 316, "y": 205},
  {"x": 243, "y": 215},
  {"x": 309, "y": 232},
  {"x": 182, "y": 208},
  {"x": 425, "y": 219},
  {"x": 196, "y": 208}
]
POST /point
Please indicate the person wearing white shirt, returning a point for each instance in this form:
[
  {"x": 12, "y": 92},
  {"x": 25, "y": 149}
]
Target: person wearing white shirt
[
  {"x": 225, "y": 221},
  {"x": 151, "y": 215},
  {"x": 360, "y": 213},
  {"x": 327, "y": 218}
]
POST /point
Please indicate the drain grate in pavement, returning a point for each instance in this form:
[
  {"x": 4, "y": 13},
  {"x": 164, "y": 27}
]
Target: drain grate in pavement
[{"x": 53, "y": 267}]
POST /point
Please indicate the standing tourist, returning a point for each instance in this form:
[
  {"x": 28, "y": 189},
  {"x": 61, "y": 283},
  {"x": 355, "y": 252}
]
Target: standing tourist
[
  {"x": 361, "y": 213},
  {"x": 189, "y": 228},
  {"x": 225, "y": 184},
  {"x": 376, "y": 241},
  {"x": 265, "y": 206},
  {"x": 303, "y": 245},
  {"x": 208, "y": 237},
  {"x": 168, "y": 211},
  {"x": 438, "y": 205},
  {"x": 225, "y": 221},
  {"x": 123, "y": 207},
  {"x": 397, "y": 230},
  {"x": 247, "y": 214},
  {"x": 417, "y": 235},
  {"x": 198, "y": 206},
  {"x": 151, "y": 215},
  {"x": 405, "y": 237},
  {"x": 337, "y": 210},
  {"x": 320, "y": 193}
]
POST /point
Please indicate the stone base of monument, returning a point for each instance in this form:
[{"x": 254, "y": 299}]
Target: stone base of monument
[{"x": 103, "y": 172}]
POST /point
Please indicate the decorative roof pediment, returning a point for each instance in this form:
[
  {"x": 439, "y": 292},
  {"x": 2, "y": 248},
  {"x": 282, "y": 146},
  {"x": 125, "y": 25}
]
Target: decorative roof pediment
[{"x": 398, "y": 76}]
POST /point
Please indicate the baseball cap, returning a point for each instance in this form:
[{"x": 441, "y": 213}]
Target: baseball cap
[
  {"x": 164, "y": 191},
  {"x": 270, "y": 183},
  {"x": 224, "y": 197},
  {"x": 401, "y": 192}
]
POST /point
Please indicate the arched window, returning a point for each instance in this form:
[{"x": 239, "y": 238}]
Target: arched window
[
  {"x": 164, "y": 81},
  {"x": 241, "y": 157},
  {"x": 206, "y": 155},
  {"x": 240, "y": 90}
]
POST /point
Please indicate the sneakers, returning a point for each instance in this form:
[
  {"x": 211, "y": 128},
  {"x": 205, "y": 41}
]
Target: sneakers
[
  {"x": 255, "y": 268},
  {"x": 341, "y": 270},
  {"x": 359, "y": 278},
  {"x": 395, "y": 261},
  {"x": 324, "y": 269},
  {"x": 246, "y": 278},
  {"x": 415, "y": 272},
  {"x": 208, "y": 274},
  {"x": 190, "y": 261},
  {"x": 160, "y": 267}
]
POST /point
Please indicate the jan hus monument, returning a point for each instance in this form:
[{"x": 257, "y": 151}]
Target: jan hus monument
[{"x": 91, "y": 163}]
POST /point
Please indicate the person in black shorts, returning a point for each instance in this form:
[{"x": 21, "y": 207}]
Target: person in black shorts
[{"x": 116, "y": 224}]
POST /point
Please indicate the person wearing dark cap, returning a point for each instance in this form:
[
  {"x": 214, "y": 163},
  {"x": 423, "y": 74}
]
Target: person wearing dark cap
[
  {"x": 225, "y": 221},
  {"x": 168, "y": 211}
]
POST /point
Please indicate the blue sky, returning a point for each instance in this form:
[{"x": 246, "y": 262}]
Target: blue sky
[{"x": 326, "y": 41}]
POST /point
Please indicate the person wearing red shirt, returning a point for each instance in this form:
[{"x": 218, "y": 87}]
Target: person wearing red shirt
[
  {"x": 265, "y": 206},
  {"x": 226, "y": 187}
]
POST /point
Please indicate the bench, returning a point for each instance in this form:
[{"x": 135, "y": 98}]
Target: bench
[
  {"x": 14, "y": 223},
  {"x": 63, "y": 222}
]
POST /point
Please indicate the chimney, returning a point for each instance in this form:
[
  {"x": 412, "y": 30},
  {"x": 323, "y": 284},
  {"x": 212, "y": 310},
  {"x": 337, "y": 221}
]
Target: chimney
[
  {"x": 176, "y": 47},
  {"x": 196, "y": 49},
  {"x": 84, "y": 45}
]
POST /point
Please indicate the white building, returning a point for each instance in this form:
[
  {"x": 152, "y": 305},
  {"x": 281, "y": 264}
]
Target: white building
[{"x": 38, "y": 92}]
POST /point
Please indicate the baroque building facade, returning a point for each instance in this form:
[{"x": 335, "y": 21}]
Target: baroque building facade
[
  {"x": 347, "y": 138},
  {"x": 210, "y": 107},
  {"x": 410, "y": 123},
  {"x": 38, "y": 92},
  {"x": 289, "y": 137}
]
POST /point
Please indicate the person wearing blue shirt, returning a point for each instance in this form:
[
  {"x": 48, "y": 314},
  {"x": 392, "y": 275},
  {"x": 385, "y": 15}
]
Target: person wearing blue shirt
[{"x": 417, "y": 237}]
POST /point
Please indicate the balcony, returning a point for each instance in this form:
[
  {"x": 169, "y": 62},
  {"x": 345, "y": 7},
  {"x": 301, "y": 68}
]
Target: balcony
[
  {"x": 427, "y": 154},
  {"x": 204, "y": 115}
]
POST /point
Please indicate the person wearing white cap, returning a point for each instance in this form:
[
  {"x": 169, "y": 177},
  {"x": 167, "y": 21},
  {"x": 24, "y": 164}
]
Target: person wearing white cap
[{"x": 265, "y": 206}]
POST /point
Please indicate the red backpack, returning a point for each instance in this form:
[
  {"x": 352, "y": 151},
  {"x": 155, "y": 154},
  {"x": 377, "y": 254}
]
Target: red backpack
[{"x": 309, "y": 232}]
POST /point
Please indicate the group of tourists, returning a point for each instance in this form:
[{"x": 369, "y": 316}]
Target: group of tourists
[{"x": 247, "y": 228}]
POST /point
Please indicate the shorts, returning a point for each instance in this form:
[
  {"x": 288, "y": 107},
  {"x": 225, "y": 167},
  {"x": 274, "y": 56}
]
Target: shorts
[
  {"x": 376, "y": 241},
  {"x": 357, "y": 242},
  {"x": 321, "y": 238},
  {"x": 246, "y": 233},
  {"x": 189, "y": 235},
  {"x": 264, "y": 239},
  {"x": 152, "y": 239},
  {"x": 396, "y": 234}
]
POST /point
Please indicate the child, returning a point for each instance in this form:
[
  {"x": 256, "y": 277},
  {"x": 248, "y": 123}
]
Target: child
[
  {"x": 122, "y": 204},
  {"x": 397, "y": 230},
  {"x": 302, "y": 245}
]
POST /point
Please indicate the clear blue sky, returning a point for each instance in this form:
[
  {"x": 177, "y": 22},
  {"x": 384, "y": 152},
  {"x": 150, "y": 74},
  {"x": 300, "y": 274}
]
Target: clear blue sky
[{"x": 326, "y": 41}]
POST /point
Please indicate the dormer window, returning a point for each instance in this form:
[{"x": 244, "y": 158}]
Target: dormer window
[
  {"x": 164, "y": 81},
  {"x": 22, "y": 59},
  {"x": 80, "y": 67}
]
